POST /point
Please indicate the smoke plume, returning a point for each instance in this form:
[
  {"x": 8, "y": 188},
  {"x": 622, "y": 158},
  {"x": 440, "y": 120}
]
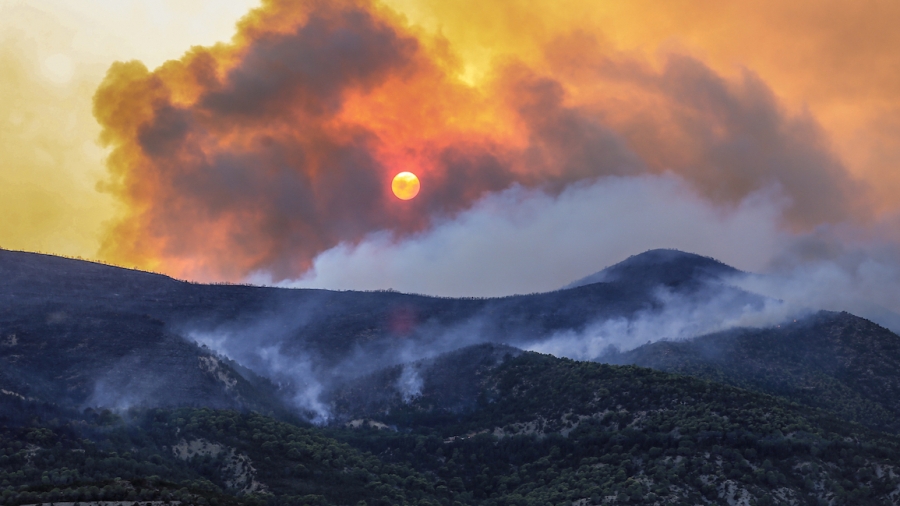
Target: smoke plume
[{"x": 254, "y": 157}]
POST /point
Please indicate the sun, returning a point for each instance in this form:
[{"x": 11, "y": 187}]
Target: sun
[{"x": 405, "y": 185}]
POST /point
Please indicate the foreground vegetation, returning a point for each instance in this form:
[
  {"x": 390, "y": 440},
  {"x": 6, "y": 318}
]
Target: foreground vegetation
[
  {"x": 542, "y": 431},
  {"x": 561, "y": 431}
]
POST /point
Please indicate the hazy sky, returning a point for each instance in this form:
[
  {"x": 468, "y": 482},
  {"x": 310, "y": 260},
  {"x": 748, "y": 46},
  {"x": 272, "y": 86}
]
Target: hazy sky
[{"x": 551, "y": 138}]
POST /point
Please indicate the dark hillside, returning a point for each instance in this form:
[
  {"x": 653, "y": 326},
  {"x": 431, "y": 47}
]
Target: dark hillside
[
  {"x": 551, "y": 431},
  {"x": 78, "y": 332},
  {"x": 486, "y": 424},
  {"x": 835, "y": 361},
  {"x": 199, "y": 457},
  {"x": 97, "y": 357},
  {"x": 661, "y": 267},
  {"x": 542, "y": 431}
]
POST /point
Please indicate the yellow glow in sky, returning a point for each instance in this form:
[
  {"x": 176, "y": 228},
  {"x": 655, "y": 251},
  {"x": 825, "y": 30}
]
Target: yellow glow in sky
[{"x": 53, "y": 55}]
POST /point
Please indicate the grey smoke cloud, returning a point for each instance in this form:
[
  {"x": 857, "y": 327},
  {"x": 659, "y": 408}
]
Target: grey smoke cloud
[
  {"x": 297, "y": 376},
  {"x": 277, "y": 149},
  {"x": 523, "y": 240},
  {"x": 839, "y": 268},
  {"x": 529, "y": 241},
  {"x": 863, "y": 282},
  {"x": 273, "y": 345},
  {"x": 835, "y": 269},
  {"x": 259, "y": 344},
  {"x": 680, "y": 317}
]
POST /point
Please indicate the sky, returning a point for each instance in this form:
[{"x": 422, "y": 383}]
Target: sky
[{"x": 255, "y": 141}]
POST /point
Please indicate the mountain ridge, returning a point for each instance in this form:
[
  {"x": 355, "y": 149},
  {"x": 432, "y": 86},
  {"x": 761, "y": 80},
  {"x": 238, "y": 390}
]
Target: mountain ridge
[
  {"x": 424, "y": 402},
  {"x": 70, "y": 308}
]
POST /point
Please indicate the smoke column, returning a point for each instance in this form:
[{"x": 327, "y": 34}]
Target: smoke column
[{"x": 255, "y": 156}]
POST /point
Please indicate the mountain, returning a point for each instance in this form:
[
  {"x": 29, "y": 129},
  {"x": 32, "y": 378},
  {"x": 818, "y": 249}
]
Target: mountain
[
  {"x": 87, "y": 334},
  {"x": 661, "y": 267},
  {"x": 834, "y": 361},
  {"x": 450, "y": 383},
  {"x": 99, "y": 357},
  {"x": 118, "y": 385},
  {"x": 80, "y": 334}
]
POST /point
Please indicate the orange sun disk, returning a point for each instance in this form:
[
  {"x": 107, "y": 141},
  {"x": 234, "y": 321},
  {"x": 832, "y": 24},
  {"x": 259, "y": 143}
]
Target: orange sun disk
[{"x": 405, "y": 185}]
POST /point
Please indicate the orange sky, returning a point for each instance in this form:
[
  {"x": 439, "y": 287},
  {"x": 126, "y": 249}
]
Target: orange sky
[
  {"x": 838, "y": 59},
  {"x": 474, "y": 95}
]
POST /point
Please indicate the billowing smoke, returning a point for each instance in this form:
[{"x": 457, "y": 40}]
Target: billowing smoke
[
  {"x": 260, "y": 346},
  {"x": 830, "y": 269},
  {"x": 680, "y": 317},
  {"x": 410, "y": 383},
  {"x": 256, "y": 156},
  {"x": 523, "y": 241}
]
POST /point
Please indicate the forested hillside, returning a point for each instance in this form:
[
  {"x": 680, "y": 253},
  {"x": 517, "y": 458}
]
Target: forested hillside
[
  {"x": 834, "y": 361},
  {"x": 117, "y": 385},
  {"x": 82, "y": 334},
  {"x": 541, "y": 430}
]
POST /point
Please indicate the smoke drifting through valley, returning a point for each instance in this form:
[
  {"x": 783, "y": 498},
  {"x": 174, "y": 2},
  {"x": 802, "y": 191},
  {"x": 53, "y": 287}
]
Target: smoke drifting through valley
[
  {"x": 261, "y": 346},
  {"x": 679, "y": 318},
  {"x": 828, "y": 270},
  {"x": 282, "y": 349}
]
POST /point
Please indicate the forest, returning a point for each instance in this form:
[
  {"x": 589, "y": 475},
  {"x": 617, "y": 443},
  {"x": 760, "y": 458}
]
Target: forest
[{"x": 543, "y": 430}]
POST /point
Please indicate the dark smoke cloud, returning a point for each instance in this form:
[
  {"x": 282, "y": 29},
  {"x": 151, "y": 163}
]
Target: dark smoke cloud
[{"x": 257, "y": 156}]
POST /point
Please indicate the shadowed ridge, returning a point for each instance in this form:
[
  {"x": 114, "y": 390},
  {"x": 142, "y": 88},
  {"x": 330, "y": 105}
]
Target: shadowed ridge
[
  {"x": 37, "y": 273},
  {"x": 835, "y": 361},
  {"x": 56, "y": 315},
  {"x": 669, "y": 267}
]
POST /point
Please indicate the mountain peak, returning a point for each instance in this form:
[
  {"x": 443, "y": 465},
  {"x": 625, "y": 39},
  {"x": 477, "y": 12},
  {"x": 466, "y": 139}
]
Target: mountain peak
[{"x": 660, "y": 267}]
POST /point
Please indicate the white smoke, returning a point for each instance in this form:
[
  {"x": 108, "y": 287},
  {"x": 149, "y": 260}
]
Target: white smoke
[
  {"x": 862, "y": 281},
  {"x": 526, "y": 241},
  {"x": 306, "y": 387},
  {"x": 679, "y": 317},
  {"x": 410, "y": 383},
  {"x": 295, "y": 375}
]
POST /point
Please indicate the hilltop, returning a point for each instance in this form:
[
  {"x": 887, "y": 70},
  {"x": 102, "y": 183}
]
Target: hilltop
[{"x": 661, "y": 267}]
